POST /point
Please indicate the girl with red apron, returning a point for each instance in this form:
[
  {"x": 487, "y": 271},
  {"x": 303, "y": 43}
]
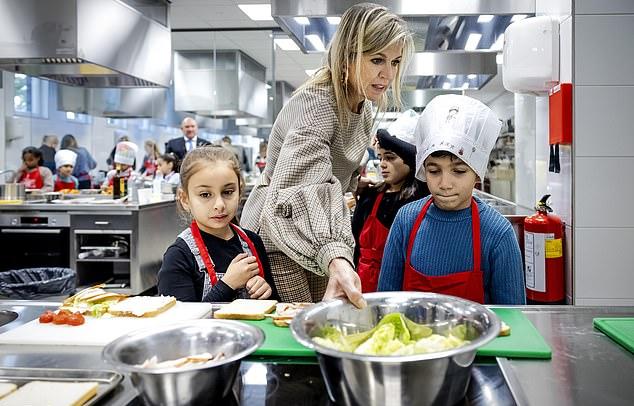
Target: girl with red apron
[
  {"x": 371, "y": 244},
  {"x": 398, "y": 188},
  {"x": 467, "y": 284},
  {"x": 32, "y": 179}
]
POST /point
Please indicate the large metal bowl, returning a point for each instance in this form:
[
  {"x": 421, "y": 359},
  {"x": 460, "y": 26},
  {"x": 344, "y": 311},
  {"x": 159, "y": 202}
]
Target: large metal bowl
[
  {"x": 439, "y": 378},
  {"x": 196, "y": 385}
]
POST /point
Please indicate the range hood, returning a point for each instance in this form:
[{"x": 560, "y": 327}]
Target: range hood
[
  {"x": 224, "y": 83},
  {"x": 113, "y": 103},
  {"x": 90, "y": 43}
]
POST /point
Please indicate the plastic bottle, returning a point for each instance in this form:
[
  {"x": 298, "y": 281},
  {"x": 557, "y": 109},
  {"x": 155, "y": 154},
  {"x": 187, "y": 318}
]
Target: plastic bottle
[{"x": 119, "y": 186}]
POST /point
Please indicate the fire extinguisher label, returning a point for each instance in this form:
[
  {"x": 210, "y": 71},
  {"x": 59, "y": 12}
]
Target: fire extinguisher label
[
  {"x": 535, "y": 260},
  {"x": 554, "y": 248}
]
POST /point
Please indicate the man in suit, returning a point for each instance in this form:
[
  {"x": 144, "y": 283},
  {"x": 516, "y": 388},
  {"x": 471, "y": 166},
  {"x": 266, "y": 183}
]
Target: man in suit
[{"x": 182, "y": 145}]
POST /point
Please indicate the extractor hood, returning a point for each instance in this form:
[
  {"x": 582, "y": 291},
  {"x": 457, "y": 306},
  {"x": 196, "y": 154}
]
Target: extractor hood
[
  {"x": 221, "y": 83},
  {"x": 113, "y": 103},
  {"x": 90, "y": 43}
]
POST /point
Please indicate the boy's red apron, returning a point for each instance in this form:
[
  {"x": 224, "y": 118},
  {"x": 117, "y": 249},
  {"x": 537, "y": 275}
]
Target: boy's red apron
[
  {"x": 211, "y": 269},
  {"x": 371, "y": 244},
  {"x": 60, "y": 184},
  {"x": 32, "y": 180},
  {"x": 468, "y": 284}
]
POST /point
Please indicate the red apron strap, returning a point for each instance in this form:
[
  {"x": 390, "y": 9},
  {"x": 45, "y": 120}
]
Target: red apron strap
[
  {"x": 202, "y": 248},
  {"x": 376, "y": 205},
  {"x": 412, "y": 234},
  {"x": 475, "y": 235},
  {"x": 254, "y": 252}
]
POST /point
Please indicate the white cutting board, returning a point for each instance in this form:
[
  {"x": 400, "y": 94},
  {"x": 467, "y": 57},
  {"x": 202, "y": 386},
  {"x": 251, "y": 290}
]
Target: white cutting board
[{"x": 100, "y": 331}]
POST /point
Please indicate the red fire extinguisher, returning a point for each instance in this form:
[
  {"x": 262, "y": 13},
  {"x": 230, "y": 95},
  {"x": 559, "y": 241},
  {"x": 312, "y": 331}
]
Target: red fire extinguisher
[{"x": 543, "y": 256}]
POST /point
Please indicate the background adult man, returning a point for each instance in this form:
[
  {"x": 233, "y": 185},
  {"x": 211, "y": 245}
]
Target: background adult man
[
  {"x": 182, "y": 145},
  {"x": 48, "y": 148}
]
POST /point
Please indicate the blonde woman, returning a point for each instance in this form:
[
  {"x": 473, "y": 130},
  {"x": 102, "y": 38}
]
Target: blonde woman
[{"x": 314, "y": 151}]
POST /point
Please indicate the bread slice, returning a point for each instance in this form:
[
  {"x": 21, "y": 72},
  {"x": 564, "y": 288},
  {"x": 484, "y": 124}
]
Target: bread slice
[
  {"x": 51, "y": 393},
  {"x": 246, "y": 309},
  {"x": 6, "y": 388},
  {"x": 505, "y": 330},
  {"x": 142, "y": 306}
]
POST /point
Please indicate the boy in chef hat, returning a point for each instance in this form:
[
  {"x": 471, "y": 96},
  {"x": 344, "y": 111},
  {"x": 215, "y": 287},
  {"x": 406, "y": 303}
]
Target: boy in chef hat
[
  {"x": 378, "y": 205},
  {"x": 451, "y": 242},
  {"x": 65, "y": 162},
  {"x": 124, "y": 156}
]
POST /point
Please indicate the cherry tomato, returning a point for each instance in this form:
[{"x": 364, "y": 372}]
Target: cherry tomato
[
  {"x": 75, "y": 319},
  {"x": 46, "y": 317},
  {"x": 60, "y": 318}
]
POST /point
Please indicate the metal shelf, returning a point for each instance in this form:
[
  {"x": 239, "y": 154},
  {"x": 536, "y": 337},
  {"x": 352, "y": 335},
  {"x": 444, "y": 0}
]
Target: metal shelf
[{"x": 103, "y": 260}]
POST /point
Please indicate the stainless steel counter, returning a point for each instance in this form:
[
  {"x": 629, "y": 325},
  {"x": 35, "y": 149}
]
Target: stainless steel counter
[
  {"x": 587, "y": 367},
  {"x": 70, "y": 207}
]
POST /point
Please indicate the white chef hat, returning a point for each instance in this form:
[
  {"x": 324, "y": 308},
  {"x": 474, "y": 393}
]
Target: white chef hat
[
  {"x": 458, "y": 124},
  {"x": 403, "y": 127},
  {"x": 125, "y": 153},
  {"x": 65, "y": 157}
]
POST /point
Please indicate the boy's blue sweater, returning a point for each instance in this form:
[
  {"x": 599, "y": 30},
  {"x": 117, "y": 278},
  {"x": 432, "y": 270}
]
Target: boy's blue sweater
[{"x": 444, "y": 246}]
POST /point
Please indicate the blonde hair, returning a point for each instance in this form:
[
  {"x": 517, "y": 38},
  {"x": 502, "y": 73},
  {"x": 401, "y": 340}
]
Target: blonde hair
[
  {"x": 198, "y": 158},
  {"x": 155, "y": 151},
  {"x": 364, "y": 28}
]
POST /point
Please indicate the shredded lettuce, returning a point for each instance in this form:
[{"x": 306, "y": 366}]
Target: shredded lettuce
[{"x": 395, "y": 334}]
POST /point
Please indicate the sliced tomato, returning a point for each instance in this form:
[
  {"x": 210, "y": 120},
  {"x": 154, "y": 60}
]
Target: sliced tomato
[
  {"x": 46, "y": 317},
  {"x": 75, "y": 319},
  {"x": 60, "y": 318}
]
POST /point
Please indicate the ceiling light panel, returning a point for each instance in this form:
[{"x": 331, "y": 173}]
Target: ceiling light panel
[
  {"x": 286, "y": 44},
  {"x": 257, "y": 12},
  {"x": 472, "y": 42}
]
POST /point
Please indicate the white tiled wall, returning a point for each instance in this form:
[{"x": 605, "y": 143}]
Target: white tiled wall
[{"x": 603, "y": 152}]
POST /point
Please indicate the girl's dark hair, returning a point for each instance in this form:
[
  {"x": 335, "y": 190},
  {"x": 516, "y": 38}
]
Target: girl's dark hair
[
  {"x": 68, "y": 142},
  {"x": 442, "y": 154},
  {"x": 173, "y": 159},
  {"x": 411, "y": 186},
  {"x": 35, "y": 152}
]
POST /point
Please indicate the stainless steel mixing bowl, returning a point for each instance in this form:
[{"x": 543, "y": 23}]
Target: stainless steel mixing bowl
[
  {"x": 192, "y": 385},
  {"x": 439, "y": 378}
]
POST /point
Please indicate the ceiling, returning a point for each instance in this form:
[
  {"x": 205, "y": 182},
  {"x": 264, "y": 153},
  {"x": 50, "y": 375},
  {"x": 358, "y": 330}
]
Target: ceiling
[{"x": 221, "y": 17}]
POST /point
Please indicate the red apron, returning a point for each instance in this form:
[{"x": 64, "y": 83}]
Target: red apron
[
  {"x": 211, "y": 269},
  {"x": 32, "y": 180},
  {"x": 60, "y": 184},
  {"x": 467, "y": 284},
  {"x": 150, "y": 166},
  {"x": 371, "y": 244}
]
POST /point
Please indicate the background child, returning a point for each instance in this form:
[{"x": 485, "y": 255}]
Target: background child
[
  {"x": 65, "y": 162},
  {"x": 378, "y": 205},
  {"x": 214, "y": 260},
  {"x": 31, "y": 173},
  {"x": 167, "y": 171},
  {"x": 452, "y": 243},
  {"x": 124, "y": 157},
  {"x": 152, "y": 154}
]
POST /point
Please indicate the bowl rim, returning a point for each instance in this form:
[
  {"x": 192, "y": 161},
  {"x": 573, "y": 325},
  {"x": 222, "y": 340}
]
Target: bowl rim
[
  {"x": 107, "y": 354},
  {"x": 303, "y": 337}
]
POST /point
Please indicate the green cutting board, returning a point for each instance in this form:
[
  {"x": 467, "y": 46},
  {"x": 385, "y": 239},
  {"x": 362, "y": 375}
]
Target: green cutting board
[
  {"x": 278, "y": 341},
  {"x": 523, "y": 342},
  {"x": 620, "y": 329}
]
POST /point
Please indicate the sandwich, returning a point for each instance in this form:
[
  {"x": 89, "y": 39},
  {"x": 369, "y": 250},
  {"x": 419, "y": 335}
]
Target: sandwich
[
  {"x": 142, "y": 306},
  {"x": 284, "y": 312},
  {"x": 246, "y": 309},
  {"x": 94, "y": 301},
  {"x": 51, "y": 393},
  {"x": 6, "y": 388}
]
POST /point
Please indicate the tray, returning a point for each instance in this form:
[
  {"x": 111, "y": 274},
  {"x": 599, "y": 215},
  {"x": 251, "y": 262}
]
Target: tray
[{"x": 106, "y": 379}]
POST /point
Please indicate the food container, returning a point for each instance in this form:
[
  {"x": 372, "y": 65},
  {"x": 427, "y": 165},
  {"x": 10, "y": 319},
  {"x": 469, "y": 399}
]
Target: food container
[
  {"x": 12, "y": 191},
  {"x": 437, "y": 378},
  {"x": 50, "y": 196},
  {"x": 190, "y": 385}
]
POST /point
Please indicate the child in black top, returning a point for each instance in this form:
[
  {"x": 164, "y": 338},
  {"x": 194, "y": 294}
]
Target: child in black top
[
  {"x": 373, "y": 217},
  {"x": 214, "y": 260}
]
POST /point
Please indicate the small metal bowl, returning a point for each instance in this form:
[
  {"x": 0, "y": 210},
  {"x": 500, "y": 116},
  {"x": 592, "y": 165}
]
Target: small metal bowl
[
  {"x": 437, "y": 378},
  {"x": 191, "y": 385}
]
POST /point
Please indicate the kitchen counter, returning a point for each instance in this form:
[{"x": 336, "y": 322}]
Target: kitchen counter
[
  {"x": 586, "y": 368},
  {"x": 67, "y": 206}
]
